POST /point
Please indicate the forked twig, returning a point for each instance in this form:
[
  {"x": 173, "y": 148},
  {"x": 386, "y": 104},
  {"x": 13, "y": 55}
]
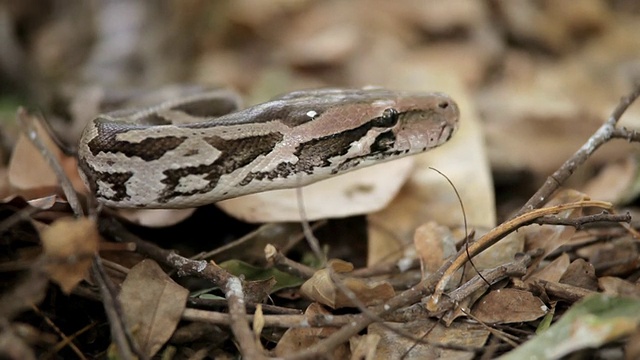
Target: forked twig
[{"x": 605, "y": 133}]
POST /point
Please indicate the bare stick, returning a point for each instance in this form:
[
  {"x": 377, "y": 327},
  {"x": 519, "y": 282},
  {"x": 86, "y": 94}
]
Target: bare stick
[
  {"x": 494, "y": 236},
  {"x": 29, "y": 129},
  {"x": 602, "y": 135},
  {"x": 238, "y": 319}
]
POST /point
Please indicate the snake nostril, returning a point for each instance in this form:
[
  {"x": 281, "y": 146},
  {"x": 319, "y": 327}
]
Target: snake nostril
[{"x": 443, "y": 105}]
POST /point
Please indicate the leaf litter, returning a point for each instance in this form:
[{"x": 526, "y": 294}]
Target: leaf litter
[{"x": 532, "y": 91}]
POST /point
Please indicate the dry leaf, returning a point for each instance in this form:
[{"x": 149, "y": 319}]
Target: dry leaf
[
  {"x": 615, "y": 286},
  {"x": 434, "y": 244},
  {"x": 553, "y": 271},
  {"x": 298, "y": 339},
  {"x": 321, "y": 288},
  {"x": 616, "y": 182},
  {"x": 395, "y": 346},
  {"x": 581, "y": 274},
  {"x": 618, "y": 257},
  {"x": 364, "y": 347},
  {"x": 69, "y": 246},
  {"x": 29, "y": 171},
  {"x": 509, "y": 306},
  {"x": 152, "y": 304}
]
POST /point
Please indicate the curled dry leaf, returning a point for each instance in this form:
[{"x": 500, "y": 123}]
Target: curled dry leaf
[
  {"x": 69, "y": 246},
  {"x": 509, "y": 306},
  {"x": 152, "y": 305},
  {"x": 321, "y": 288}
]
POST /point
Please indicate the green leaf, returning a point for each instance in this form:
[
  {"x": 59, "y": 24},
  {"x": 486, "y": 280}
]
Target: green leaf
[
  {"x": 252, "y": 273},
  {"x": 590, "y": 323}
]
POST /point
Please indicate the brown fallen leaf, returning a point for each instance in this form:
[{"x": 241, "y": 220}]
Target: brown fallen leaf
[
  {"x": 69, "y": 246},
  {"x": 297, "y": 339},
  {"x": 616, "y": 286},
  {"x": 395, "y": 346},
  {"x": 29, "y": 171},
  {"x": 434, "y": 243},
  {"x": 553, "y": 271},
  {"x": 152, "y": 305},
  {"x": 321, "y": 288},
  {"x": 509, "y": 306},
  {"x": 581, "y": 274},
  {"x": 618, "y": 257}
]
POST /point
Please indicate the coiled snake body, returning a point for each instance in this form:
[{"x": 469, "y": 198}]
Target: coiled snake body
[{"x": 201, "y": 149}]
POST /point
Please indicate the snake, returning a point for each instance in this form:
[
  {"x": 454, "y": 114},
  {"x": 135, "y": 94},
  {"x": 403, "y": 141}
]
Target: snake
[{"x": 202, "y": 147}]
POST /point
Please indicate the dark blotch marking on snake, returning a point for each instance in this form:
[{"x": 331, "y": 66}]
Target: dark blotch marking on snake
[
  {"x": 317, "y": 152},
  {"x": 234, "y": 154},
  {"x": 148, "y": 149},
  {"x": 117, "y": 182}
]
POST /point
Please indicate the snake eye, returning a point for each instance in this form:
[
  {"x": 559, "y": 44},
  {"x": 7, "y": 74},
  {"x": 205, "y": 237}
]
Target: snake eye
[{"x": 389, "y": 118}]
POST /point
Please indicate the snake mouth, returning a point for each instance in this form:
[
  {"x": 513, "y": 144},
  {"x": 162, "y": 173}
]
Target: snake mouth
[{"x": 357, "y": 161}]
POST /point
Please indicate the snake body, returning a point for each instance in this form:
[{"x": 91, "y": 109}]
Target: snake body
[{"x": 201, "y": 148}]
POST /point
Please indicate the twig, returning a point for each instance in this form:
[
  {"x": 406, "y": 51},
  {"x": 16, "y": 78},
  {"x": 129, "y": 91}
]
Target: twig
[
  {"x": 582, "y": 220},
  {"x": 312, "y": 240},
  {"x": 564, "y": 291},
  {"x": 267, "y": 308},
  {"x": 30, "y": 130},
  {"x": 238, "y": 322},
  {"x": 494, "y": 236},
  {"x": 626, "y": 134},
  {"x": 283, "y": 263},
  {"x": 602, "y": 135},
  {"x": 278, "y": 321},
  {"x": 184, "y": 266},
  {"x": 517, "y": 267},
  {"x": 120, "y": 333}
]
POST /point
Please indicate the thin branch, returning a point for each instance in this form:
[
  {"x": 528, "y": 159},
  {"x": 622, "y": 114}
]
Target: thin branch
[
  {"x": 281, "y": 262},
  {"x": 30, "y": 130},
  {"x": 518, "y": 267},
  {"x": 120, "y": 333},
  {"x": 494, "y": 236},
  {"x": 626, "y": 134},
  {"x": 238, "y": 322},
  {"x": 601, "y": 136},
  {"x": 583, "y": 220}
]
